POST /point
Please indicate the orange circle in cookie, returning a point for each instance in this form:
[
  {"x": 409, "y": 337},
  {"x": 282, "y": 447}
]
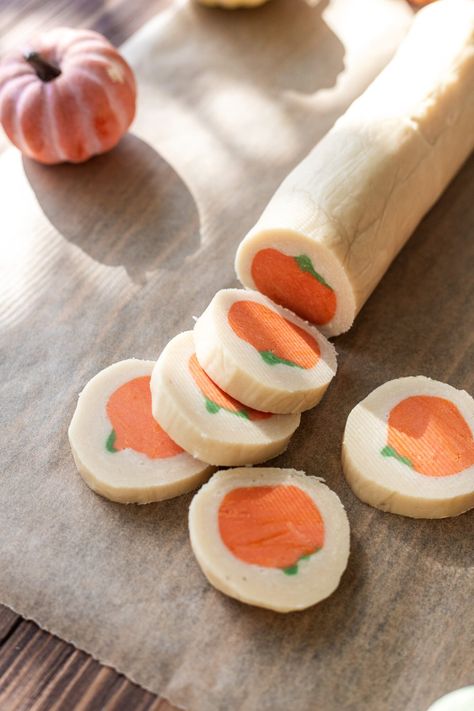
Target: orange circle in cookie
[
  {"x": 271, "y": 526},
  {"x": 294, "y": 283},
  {"x": 274, "y": 337},
  {"x": 129, "y": 411},
  {"x": 429, "y": 434}
]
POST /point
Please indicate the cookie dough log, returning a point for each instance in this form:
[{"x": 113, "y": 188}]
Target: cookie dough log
[
  {"x": 262, "y": 354},
  {"x": 273, "y": 538},
  {"x": 119, "y": 449},
  {"x": 338, "y": 220},
  {"x": 408, "y": 448},
  {"x": 207, "y": 422}
]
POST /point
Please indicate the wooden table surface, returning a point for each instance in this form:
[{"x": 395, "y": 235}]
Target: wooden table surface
[{"x": 39, "y": 671}]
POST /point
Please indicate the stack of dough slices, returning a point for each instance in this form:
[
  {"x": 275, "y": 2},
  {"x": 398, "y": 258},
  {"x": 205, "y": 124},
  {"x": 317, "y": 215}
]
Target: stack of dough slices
[{"x": 230, "y": 392}]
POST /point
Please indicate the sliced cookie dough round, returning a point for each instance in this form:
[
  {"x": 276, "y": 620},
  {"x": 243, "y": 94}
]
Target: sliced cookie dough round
[
  {"x": 206, "y": 421},
  {"x": 408, "y": 448},
  {"x": 273, "y": 538},
  {"x": 120, "y": 450},
  {"x": 263, "y": 354}
]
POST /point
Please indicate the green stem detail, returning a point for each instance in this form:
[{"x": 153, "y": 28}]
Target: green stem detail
[
  {"x": 109, "y": 445},
  {"x": 272, "y": 359},
  {"x": 391, "y": 452},
  {"x": 213, "y": 409},
  {"x": 306, "y": 265},
  {"x": 293, "y": 569}
]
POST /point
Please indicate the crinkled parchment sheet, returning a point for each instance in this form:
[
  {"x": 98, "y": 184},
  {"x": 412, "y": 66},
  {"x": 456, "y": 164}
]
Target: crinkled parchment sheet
[{"x": 111, "y": 259}]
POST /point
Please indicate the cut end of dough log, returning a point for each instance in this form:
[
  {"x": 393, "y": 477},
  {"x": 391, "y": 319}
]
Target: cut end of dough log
[
  {"x": 270, "y": 537},
  {"x": 119, "y": 449},
  {"x": 338, "y": 220},
  {"x": 262, "y": 354},
  {"x": 205, "y": 420},
  {"x": 299, "y": 274},
  {"x": 409, "y": 449}
]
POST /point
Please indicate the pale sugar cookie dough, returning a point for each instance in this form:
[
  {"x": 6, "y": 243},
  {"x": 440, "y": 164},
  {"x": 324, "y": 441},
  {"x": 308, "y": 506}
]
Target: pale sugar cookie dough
[
  {"x": 273, "y": 538},
  {"x": 338, "y": 220},
  {"x": 206, "y": 421},
  {"x": 409, "y": 449},
  {"x": 119, "y": 449},
  {"x": 262, "y": 354}
]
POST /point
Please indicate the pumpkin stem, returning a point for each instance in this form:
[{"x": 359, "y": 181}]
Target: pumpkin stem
[{"x": 44, "y": 70}]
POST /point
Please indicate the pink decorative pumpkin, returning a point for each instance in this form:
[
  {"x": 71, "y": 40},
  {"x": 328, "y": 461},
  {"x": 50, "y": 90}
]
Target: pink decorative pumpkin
[{"x": 68, "y": 96}]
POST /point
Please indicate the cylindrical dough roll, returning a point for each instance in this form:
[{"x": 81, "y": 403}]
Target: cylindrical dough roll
[
  {"x": 119, "y": 449},
  {"x": 335, "y": 224},
  {"x": 272, "y": 538},
  {"x": 408, "y": 448},
  {"x": 262, "y": 354},
  {"x": 206, "y": 421}
]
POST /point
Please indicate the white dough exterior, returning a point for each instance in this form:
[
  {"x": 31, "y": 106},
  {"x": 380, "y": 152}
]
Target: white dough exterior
[
  {"x": 317, "y": 578},
  {"x": 125, "y": 476},
  {"x": 232, "y": 4},
  {"x": 238, "y": 368},
  {"x": 220, "y": 438},
  {"x": 391, "y": 485},
  {"x": 355, "y": 200}
]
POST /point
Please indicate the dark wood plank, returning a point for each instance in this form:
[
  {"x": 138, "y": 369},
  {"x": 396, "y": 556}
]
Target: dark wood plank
[{"x": 39, "y": 671}]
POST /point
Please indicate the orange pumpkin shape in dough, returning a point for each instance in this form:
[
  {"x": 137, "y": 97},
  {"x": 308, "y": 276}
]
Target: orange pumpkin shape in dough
[
  {"x": 271, "y": 526},
  {"x": 429, "y": 434},
  {"x": 217, "y": 398},
  {"x": 129, "y": 411},
  {"x": 68, "y": 96},
  {"x": 274, "y": 337},
  {"x": 293, "y": 283}
]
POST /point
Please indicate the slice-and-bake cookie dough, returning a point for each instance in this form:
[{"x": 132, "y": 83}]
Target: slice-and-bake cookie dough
[
  {"x": 206, "y": 421},
  {"x": 272, "y": 538},
  {"x": 409, "y": 448},
  {"x": 338, "y": 220},
  {"x": 120, "y": 450},
  {"x": 263, "y": 354}
]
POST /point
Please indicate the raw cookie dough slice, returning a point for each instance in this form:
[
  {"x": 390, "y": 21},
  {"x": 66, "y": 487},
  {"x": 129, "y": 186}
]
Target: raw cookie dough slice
[
  {"x": 338, "y": 220},
  {"x": 273, "y": 538},
  {"x": 408, "y": 448},
  {"x": 262, "y": 354},
  {"x": 206, "y": 421},
  {"x": 120, "y": 450}
]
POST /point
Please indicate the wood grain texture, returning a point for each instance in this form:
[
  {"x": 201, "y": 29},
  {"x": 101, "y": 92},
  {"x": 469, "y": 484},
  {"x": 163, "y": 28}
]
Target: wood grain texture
[{"x": 38, "y": 671}]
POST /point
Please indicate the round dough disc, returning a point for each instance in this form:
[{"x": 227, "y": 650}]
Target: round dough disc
[
  {"x": 206, "y": 421},
  {"x": 119, "y": 449},
  {"x": 262, "y": 354},
  {"x": 273, "y": 538},
  {"x": 408, "y": 448}
]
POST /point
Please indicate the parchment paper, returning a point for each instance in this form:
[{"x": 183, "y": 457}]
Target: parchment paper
[{"x": 111, "y": 259}]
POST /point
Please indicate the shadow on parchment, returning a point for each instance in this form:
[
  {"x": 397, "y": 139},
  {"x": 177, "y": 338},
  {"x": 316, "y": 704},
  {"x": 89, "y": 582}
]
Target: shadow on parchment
[
  {"x": 127, "y": 207},
  {"x": 275, "y": 57}
]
